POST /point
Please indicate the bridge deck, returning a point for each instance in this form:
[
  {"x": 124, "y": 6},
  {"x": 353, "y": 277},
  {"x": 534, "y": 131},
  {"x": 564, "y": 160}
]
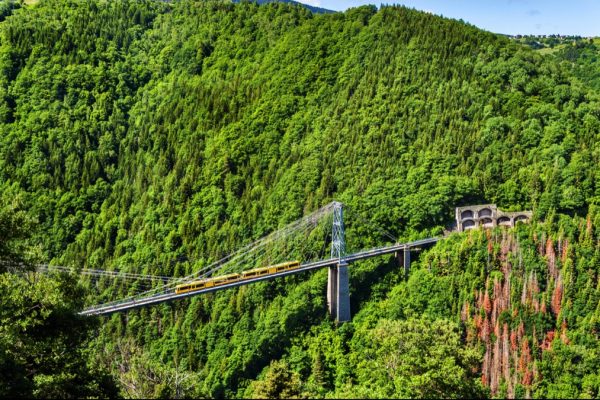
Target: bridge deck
[{"x": 161, "y": 298}]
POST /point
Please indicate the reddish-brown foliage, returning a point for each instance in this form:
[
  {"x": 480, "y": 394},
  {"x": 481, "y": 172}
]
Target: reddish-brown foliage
[
  {"x": 525, "y": 357},
  {"x": 527, "y": 377},
  {"x": 485, "y": 330},
  {"x": 547, "y": 342},
  {"x": 487, "y": 304},
  {"x": 513, "y": 341}
]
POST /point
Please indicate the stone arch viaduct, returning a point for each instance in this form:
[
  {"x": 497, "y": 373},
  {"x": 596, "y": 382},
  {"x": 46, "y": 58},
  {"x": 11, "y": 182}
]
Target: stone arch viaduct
[{"x": 488, "y": 216}]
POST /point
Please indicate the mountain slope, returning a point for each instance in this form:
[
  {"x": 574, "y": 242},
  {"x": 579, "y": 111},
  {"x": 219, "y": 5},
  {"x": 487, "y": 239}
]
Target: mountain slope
[
  {"x": 153, "y": 138},
  {"x": 314, "y": 9}
]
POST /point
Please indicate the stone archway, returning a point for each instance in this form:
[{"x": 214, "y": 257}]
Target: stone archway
[
  {"x": 504, "y": 221},
  {"x": 485, "y": 212},
  {"x": 521, "y": 219},
  {"x": 486, "y": 222},
  {"x": 468, "y": 224},
  {"x": 466, "y": 214}
]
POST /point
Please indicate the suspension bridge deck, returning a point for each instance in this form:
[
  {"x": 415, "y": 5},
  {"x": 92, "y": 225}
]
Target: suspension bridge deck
[{"x": 166, "y": 297}]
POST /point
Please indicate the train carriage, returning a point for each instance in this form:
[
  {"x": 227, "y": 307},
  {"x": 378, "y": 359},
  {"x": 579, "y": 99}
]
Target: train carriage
[{"x": 225, "y": 279}]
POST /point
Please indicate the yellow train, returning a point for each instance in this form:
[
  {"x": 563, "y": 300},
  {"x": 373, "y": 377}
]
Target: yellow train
[{"x": 222, "y": 280}]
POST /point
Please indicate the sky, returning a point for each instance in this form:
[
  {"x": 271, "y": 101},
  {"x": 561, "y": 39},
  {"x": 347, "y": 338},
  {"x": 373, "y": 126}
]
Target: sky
[{"x": 536, "y": 17}]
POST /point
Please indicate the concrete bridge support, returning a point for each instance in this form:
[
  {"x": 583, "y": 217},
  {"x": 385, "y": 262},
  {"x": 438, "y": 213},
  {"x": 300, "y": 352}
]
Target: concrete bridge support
[
  {"x": 338, "y": 292},
  {"x": 406, "y": 262},
  {"x": 403, "y": 257}
]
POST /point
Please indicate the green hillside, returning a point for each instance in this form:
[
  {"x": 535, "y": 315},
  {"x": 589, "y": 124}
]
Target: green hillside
[
  {"x": 154, "y": 137},
  {"x": 311, "y": 8},
  {"x": 580, "y": 55}
]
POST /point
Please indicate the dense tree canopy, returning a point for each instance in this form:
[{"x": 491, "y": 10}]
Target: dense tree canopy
[
  {"x": 153, "y": 137},
  {"x": 42, "y": 352}
]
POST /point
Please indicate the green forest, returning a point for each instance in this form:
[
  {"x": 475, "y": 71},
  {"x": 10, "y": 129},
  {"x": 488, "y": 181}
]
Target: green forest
[
  {"x": 580, "y": 55},
  {"x": 155, "y": 137}
]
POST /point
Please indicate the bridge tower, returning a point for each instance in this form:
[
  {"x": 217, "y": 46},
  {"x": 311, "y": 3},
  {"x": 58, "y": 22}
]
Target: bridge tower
[{"x": 338, "y": 285}]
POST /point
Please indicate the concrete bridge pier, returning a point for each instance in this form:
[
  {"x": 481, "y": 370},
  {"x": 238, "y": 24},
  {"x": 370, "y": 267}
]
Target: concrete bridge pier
[
  {"x": 406, "y": 261},
  {"x": 338, "y": 292},
  {"x": 403, "y": 257}
]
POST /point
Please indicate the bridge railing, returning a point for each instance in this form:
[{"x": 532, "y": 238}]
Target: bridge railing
[{"x": 159, "y": 297}]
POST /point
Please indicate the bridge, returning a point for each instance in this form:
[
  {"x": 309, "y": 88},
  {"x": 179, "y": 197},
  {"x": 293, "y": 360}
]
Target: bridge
[{"x": 338, "y": 262}]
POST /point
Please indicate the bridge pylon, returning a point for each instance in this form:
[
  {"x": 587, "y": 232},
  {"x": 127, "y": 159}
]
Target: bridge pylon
[{"x": 338, "y": 282}]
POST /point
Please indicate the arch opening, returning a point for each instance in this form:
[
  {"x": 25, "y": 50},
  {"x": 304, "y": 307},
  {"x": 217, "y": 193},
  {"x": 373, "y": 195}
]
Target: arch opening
[
  {"x": 486, "y": 222},
  {"x": 504, "y": 221},
  {"x": 521, "y": 219},
  {"x": 485, "y": 212},
  {"x": 466, "y": 214},
  {"x": 468, "y": 224}
]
